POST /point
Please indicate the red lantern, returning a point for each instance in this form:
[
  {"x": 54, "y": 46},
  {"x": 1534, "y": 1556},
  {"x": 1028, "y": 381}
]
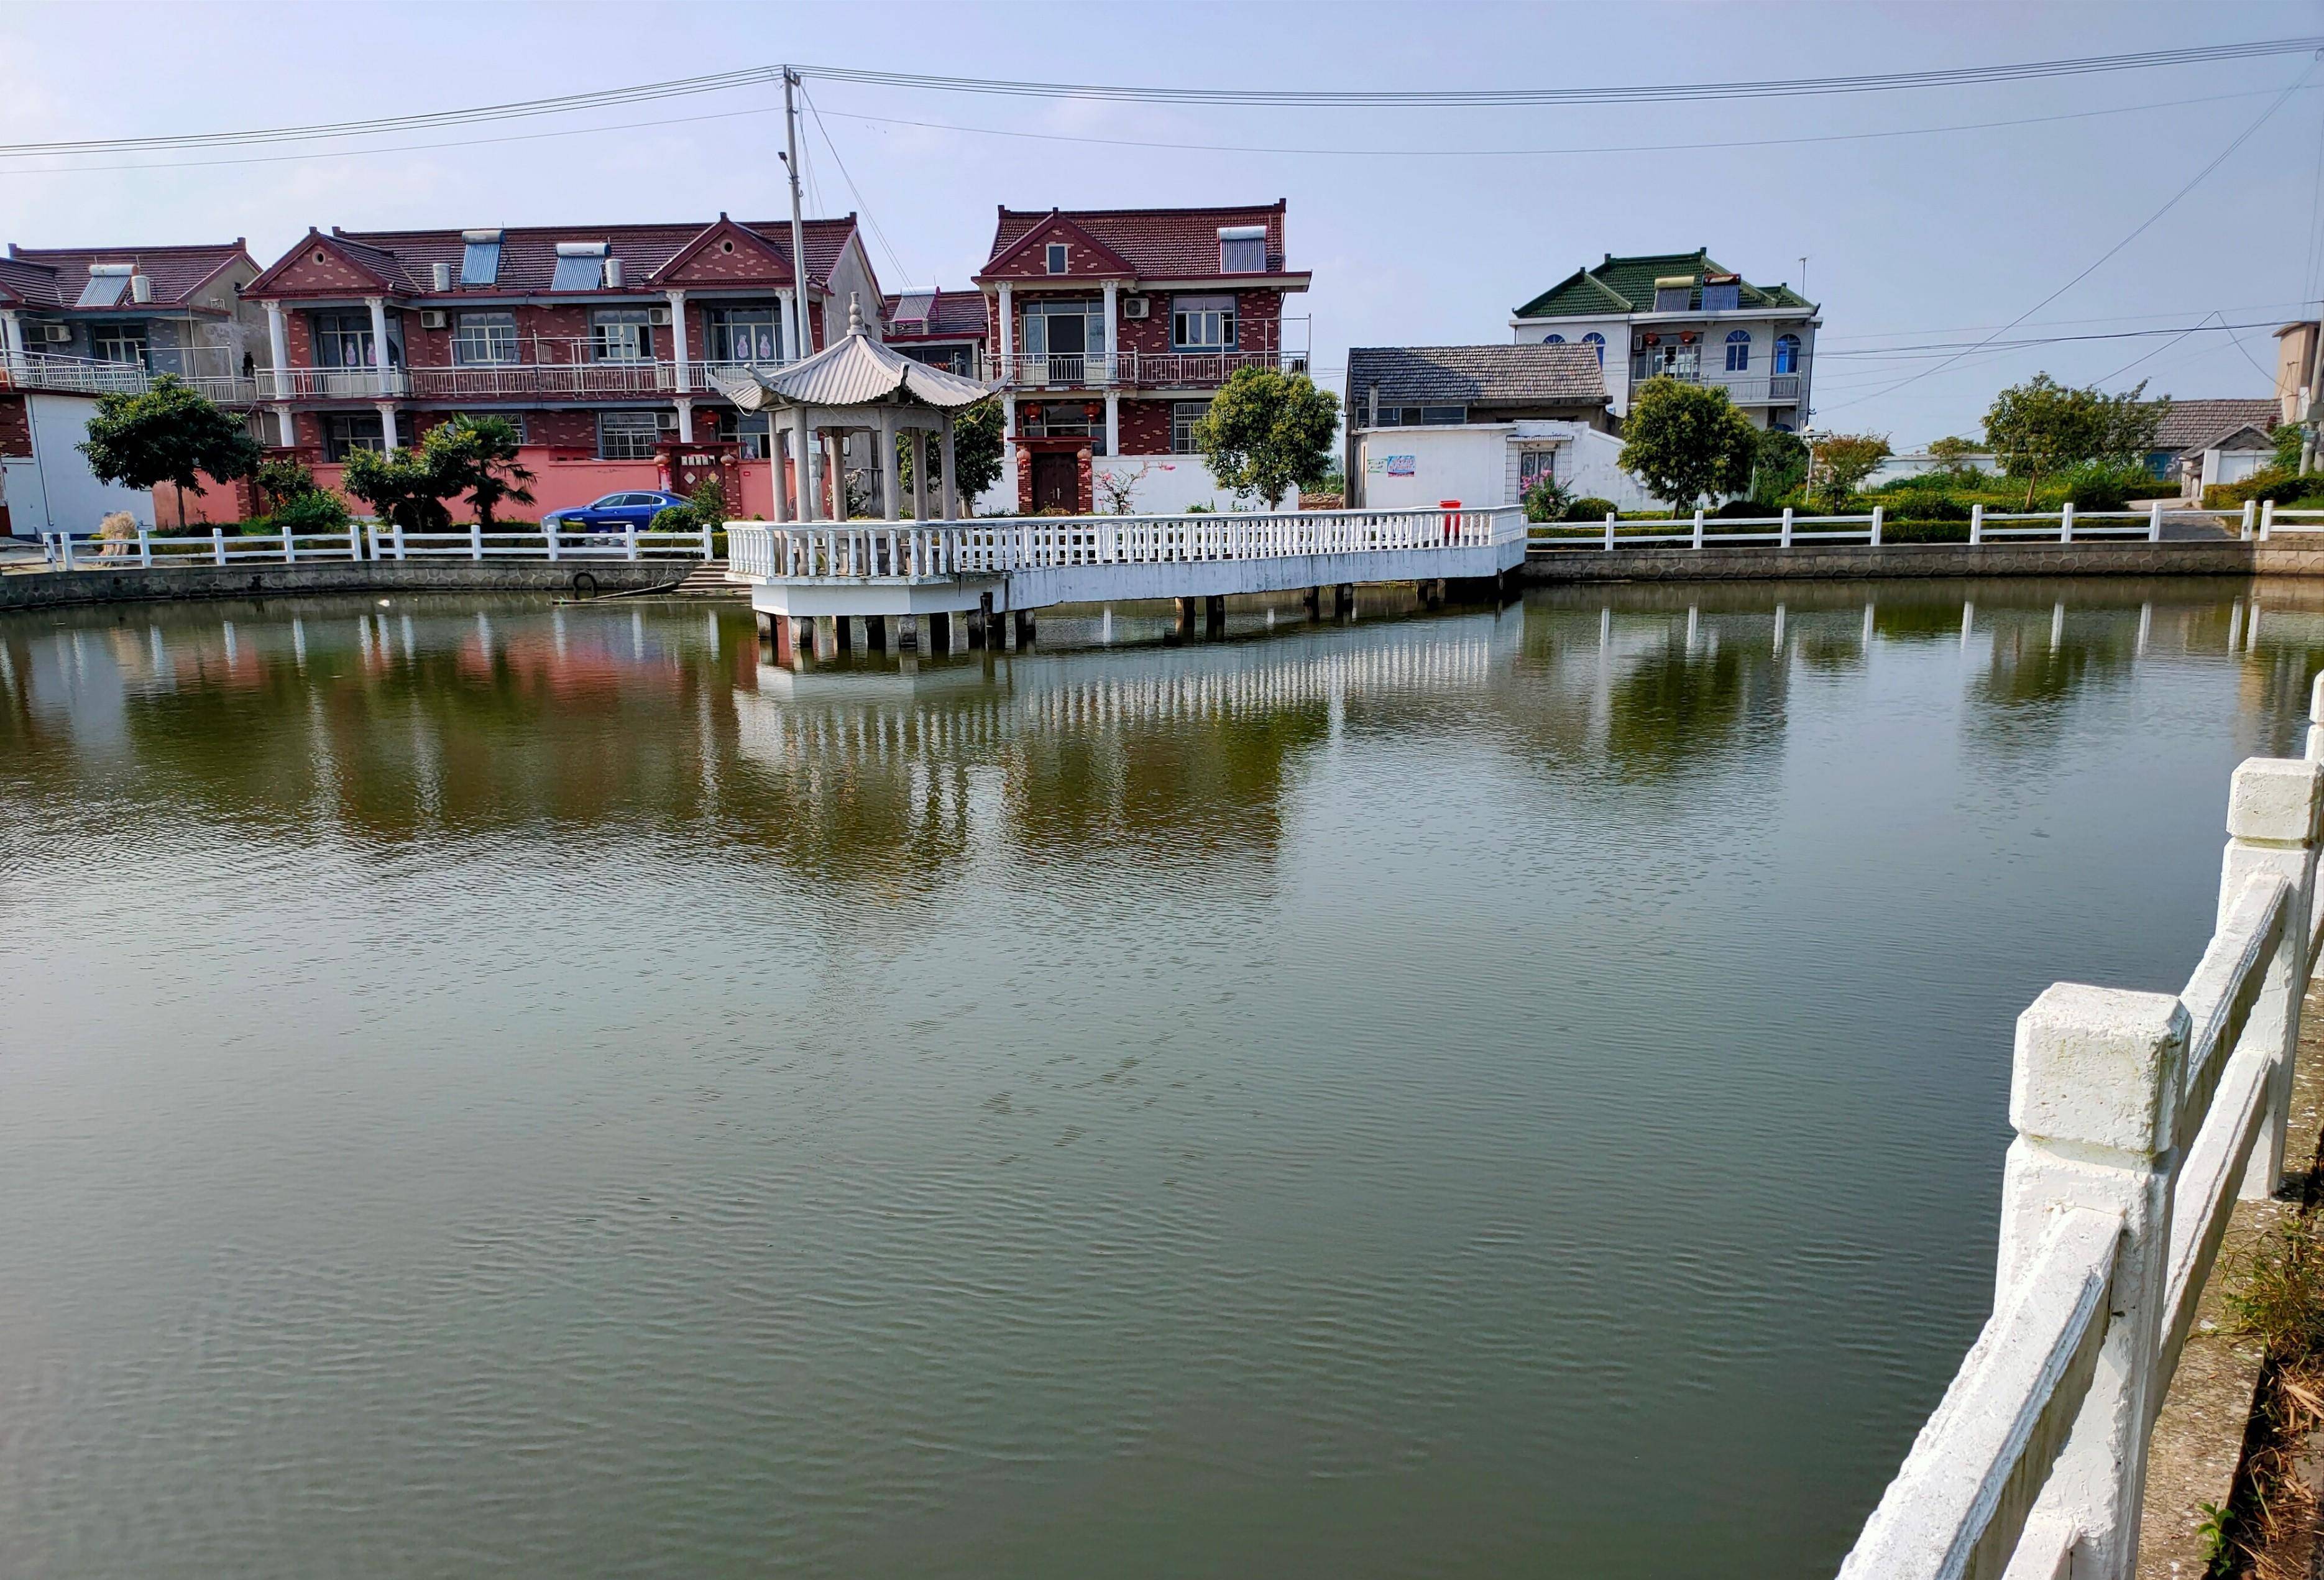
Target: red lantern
[{"x": 1654, "y": 339}]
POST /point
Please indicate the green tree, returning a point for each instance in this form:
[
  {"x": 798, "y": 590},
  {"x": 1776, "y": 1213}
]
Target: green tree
[
  {"x": 976, "y": 441},
  {"x": 284, "y": 479},
  {"x": 400, "y": 488},
  {"x": 1779, "y": 466},
  {"x": 2042, "y": 426},
  {"x": 2287, "y": 440},
  {"x": 477, "y": 456},
  {"x": 1686, "y": 441},
  {"x": 1266, "y": 431},
  {"x": 170, "y": 433},
  {"x": 1837, "y": 462}
]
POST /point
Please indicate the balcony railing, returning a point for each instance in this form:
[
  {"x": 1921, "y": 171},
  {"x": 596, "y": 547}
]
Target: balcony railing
[
  {"x": 1140, "y": 369},
  {"x": 554, "y": 381},
  {"x": 83, "y": 376},
  {"x": 1745, "y": 389}
]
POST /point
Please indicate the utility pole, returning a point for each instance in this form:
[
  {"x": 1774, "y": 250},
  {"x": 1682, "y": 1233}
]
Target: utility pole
[
  {"x": 2308, "y": 417},
  {"x": 800, "y": 344}
]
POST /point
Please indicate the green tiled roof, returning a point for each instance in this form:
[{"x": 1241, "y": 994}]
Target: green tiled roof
[{"x": 1627, "y": 285}]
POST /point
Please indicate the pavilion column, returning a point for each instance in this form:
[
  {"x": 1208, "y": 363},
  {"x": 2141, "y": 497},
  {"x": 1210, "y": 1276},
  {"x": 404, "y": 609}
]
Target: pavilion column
[
  {"x": 891, "y": 487},
  {"x": 806, "y": 461},
  {"x": 919, "y": 474},
  {"x": 834, "y": 468},
  {"x": 775, "y": 448},
  {"x": 951, "y": 471}
]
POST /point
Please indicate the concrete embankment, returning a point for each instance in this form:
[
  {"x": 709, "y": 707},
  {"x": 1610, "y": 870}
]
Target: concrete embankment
[{"x": 64, "y": 588}]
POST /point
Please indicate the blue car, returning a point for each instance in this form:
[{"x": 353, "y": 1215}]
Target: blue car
[{"x": 637, "y": 508}]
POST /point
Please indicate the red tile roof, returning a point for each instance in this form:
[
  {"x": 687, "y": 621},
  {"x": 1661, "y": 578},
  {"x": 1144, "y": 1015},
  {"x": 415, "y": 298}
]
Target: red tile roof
[
  {"x": 1163, "y": 244},
  {"x": 946, "y": 315},
  {"x": 407, "y": 258},
  {"x": 52, "y": 277}
]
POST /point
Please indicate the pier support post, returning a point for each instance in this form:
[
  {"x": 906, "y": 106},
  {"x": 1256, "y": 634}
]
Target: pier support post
[
  {"x": 907, "y": 635},
  {"x": 1185, "y": 620}
]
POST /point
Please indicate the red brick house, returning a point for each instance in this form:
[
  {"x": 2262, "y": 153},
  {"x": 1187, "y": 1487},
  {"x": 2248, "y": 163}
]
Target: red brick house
[
  {"x": 599, "y": 340},
  {"x": 1114, "y": 327},
  {"x": 944, "y": 328}
]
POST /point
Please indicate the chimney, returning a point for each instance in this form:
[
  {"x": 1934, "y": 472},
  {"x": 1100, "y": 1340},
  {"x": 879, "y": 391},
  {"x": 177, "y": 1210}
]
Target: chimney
[
  {"x": 140, "y": 288},
  {"x": 613, "y": 273}
]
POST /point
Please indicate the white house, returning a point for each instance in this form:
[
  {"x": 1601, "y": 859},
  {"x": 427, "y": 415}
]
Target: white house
[{"x": 1681, "y": 315}]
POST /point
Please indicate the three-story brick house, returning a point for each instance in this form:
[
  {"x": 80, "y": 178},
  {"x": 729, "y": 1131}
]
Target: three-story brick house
[
  {"x": 1114, "y": 328},
  {"x": 598, "y": 341}
]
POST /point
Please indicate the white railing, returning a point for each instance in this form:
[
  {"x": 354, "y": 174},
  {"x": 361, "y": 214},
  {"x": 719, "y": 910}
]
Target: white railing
[
  {"x": 336, "y": 383},
  {"x": 149, "y": 551},
  {"x": 2273, "y": 521},
  {"x": 2141, "y": 1119},
  {"x": 88, "y": 376},
  {"x": 1745, "y": 389},
  {"x": 472, "y": 542},
  {"x": 2066, "y": 525},
  {"x": 1144, "y": 369},
  {"x": 892, "y": 550}
]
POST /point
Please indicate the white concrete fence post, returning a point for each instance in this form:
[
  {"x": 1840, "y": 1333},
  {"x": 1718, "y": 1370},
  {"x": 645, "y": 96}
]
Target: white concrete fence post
[
  {"x": 2066, "y": 522},
  {"x": 709, "y": 541},
  {"x": 2275, "y": 809},
  {"x": 2266, "y": 520},
  {"x": 395, "y": 532},
  {"x": 1977, "y": 523},
  {"x": 630, "y": 539},
  {"x": 1698, "y": 526},
  {"x": 289, "y": 547},
  {"x": 64, "y": 540},
  {"x": 549, "y": 537},
  {"x": 1609, "y": 529},
  {"x": 1876, "y": 512},
  {"x": 217, "y": 544},
  {"x": 2250, "y": 516},
  {"x": 476, "y": 540},
  {"x": 2154, "y": 522},
  {"x": 1786, "y": 541},
  {"x": 355, "y": 541},
  {"x": 2093, "y": 1096},
  {"x": 2316, "y": 720},
  {"x": 145, "y": 549}
]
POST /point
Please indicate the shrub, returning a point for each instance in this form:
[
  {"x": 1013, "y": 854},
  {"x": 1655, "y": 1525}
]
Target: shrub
[
  {"x": 672, "y": 518},
  {"x": 315, "y": 511},
  {"x": 1930, "y": 506},
  {"x": 1740, "y": 509},
  {"x": 2278, "y": 1292},
  {"x": 1589, "y": 508},
  {"x": 1548, "y": 500},
  {"x": 283, "y": 478},
  {"x": 2271, "y": 484}
]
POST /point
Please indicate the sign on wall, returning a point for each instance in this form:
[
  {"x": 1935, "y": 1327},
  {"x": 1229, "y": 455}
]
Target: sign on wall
[{"x": 1393, "y": 465}]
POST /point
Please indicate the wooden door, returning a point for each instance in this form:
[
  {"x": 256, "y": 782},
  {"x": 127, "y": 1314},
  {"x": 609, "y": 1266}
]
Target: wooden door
[{"x": 1056, "y": 480}]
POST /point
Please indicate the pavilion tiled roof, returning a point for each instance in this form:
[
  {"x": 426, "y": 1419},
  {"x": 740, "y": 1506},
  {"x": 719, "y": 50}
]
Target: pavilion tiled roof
[
  {"x": 527, "y": 262},
  {"x": 1627, "y": 285},
  {"x": 53, "y": 277},
  {"x": 1477, "y": 376},
  {"x": 1161, "y": 243}
]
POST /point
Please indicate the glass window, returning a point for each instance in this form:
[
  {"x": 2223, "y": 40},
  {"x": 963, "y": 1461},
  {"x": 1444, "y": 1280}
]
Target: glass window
[
  {"x": 514, "y": 419},
  {"x": 747, "y": 428},
  {"x": 1536, "y": 465},
  {"x": 1598, "y": 341},
  {"x": 1788, "y": 354},
  {"x": 1439, "y": 415},
  {"x": 1554, "y": 340},
  {"x": 580, "y": 266},
  {"x": 122, "y": 342},
  {"x": 1056, "y": 257},
  {"x": 1242, "y": 249},
  {"x": 1202, "y": 323},
  {"x": 484, "y": 339},
  {"x": 1183, "y": 415},
  {"x": 1738, "y": 351},
  {"x": 1064, "y": 328},
  {"x": 622, "y": 334},
  {"x": 951, "y": 359},
  {"x": 346, "y": 431},
  {"x": 343, "y": 340},
  {"x": 480, "y": 262},
  {"x": 1063, "y": 419},
  {"x": 745, "y": 334},
  {"x": 627, "y": 436}
]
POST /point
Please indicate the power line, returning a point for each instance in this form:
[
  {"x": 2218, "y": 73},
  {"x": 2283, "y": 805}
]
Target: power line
[
  {"x": 1368, "y": 98},
  {"x": 2140, "y": 229},
  {"x": 1661, "y": 92},
  {"x": 863, "y": 208}
]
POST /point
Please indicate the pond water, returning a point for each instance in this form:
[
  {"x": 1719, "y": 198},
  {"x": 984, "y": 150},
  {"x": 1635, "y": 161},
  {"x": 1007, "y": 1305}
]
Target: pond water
[{"x": 488, "y": 1087}]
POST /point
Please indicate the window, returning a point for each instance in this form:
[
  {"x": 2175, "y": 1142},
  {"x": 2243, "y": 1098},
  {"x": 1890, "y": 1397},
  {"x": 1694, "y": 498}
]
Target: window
[
  {"x": 1056, "y": 257},
  {"x": 1064, "y": 328},
  {"x": 622, "y": 334},
  {"x": 484, "y": 340},
  {"x": 1788, "y": 354},
  {"x": 1063, "y": 420},
  {"x": 106, "y": 282},
  {"x": 1242, "y": 249},
  {"x": 1536, "y": 465},
  {"x": 1738, "y": 351},
  {"x": 1183, "y": 415},
  {"x": 122, "y": 342},
  {"x": 580, "y": 266},
  {"x": 1202, "y": 323},
  {"x": 346, "y": 431},
  {"x": 343, "y": 340},
  {"x": 1597, "y": 342},
  {"x": 480, "y": 259},
  {"x": 514, "y": 419},
  {"x": 627, "y": 436},
  {"x": 1422, "y": 416},
  {"x": 747, "y": 428},
  {"x": 745, "y": 334},
  {"x": 951, "y": 359},
  {"x": 1554, "y": 340}
]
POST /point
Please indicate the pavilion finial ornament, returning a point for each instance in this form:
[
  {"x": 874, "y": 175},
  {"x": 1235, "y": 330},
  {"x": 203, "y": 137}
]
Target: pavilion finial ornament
[{"x": 855, "y": 314}]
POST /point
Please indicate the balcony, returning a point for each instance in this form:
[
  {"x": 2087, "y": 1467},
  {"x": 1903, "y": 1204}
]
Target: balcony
[
  {"x": 506, "y": 381},
  {"x": 83, "y": 376},
  {"x": 1745, "y": 389},
  {"x": 1144, "y": 370}
]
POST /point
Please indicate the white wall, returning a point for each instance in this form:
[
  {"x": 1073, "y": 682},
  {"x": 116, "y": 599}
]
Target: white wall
[
  {"x": 1477, "y": 463},
  {"x": 56, "y": 492},
  {"x": 1169, "y": 484}
]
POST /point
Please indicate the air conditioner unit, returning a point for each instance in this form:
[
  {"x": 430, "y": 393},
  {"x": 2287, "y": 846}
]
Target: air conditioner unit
[
  {"x": 59, "y": 334},
  {"x": 434, "y": 318},
  {"x": 657, "y": 315},
  {"x": 667, "y": 422},
  {"x": 1133, "y": 307}
]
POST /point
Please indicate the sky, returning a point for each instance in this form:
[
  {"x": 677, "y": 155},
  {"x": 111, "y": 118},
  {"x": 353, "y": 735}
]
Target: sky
[{"x": 1420, "y": 226}]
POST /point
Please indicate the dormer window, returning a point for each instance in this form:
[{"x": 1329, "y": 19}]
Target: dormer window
[
  {"x": 1056, "y": 257},
  {"x": 1242, "y": 249},
  {"x": 106, "y": 282},
  {"x": 480, "y": 261},
  {"x": 1723, "y": 293},
  {"x": 580, "y": 266},
  {"x": 1675, "y": 293}
]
